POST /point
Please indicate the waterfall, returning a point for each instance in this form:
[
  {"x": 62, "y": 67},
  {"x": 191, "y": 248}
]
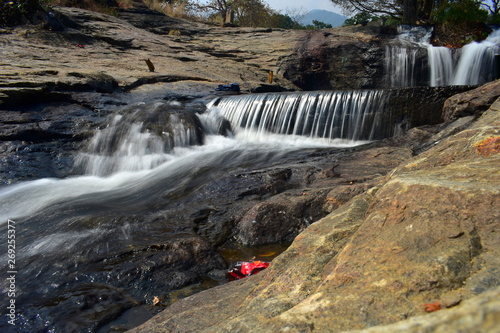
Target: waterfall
[
  {"x": 348, "y": 115},
  {"x": 440, "y": 65},
  {"x": 146, "y": 136},
  {"x": 477, "y": 60},
  {"x": 142, "y": 138},
  {"x": 470, "y": 65},
  {"x": 146, "y": 181},
  {"x": 473, "y": 64},
  {"x": 401, "y": 63}
]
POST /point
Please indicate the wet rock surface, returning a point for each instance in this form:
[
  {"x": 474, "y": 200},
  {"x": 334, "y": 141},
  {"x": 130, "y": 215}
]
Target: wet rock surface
[
  {"x": 338, "y": 59},
  {"x": 424, "y": 234},
  {"x": 41, "y": 140}
]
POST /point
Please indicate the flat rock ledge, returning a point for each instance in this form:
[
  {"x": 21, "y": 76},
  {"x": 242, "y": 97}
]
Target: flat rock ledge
[{"x": 425, "y": 239}]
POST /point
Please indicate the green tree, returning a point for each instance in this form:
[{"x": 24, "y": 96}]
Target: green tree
[
  {"x": 252, "y": 13},
  {"x": 14, "y": 12},
  {"x": 459, "y": 12},
  {"x": 407, "y": 11},
  {"x": 360, "y": 18},
  {"x": 321, "y": 25},
  {"x": 220, "y": 7},
  {"x": 246, "y": 12},
  {"x": 277, "y": 20}
]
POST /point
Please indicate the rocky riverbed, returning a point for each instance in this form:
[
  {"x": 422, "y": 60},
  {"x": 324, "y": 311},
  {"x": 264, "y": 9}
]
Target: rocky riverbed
[
  {"x": 422, "y": 238},
  {"x": 377, "y": 230}
]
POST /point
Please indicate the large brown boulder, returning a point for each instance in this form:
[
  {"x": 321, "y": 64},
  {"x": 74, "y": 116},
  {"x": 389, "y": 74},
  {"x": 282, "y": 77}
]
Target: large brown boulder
[
  {"x": 473, "y": 102},
  {"x": 427, "y": 235}
]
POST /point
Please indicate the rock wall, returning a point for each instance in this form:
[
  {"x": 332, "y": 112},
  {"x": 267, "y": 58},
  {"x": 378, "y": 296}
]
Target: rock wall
[{"x": 342, "y": 58}]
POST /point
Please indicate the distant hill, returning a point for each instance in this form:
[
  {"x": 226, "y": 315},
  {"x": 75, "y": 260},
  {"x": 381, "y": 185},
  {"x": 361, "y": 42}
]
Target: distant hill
[{"x": 325, "y": 16}]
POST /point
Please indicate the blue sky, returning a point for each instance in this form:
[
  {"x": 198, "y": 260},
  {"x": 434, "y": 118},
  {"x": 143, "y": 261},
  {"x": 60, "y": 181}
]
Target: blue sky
[{"x": 305, "y": 5}]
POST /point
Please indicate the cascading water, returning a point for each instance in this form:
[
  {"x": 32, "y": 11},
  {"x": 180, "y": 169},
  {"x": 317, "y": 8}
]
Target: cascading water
[
  {"x": 344, "y": 115},
  {"x": 86, "y": 238},
  {"x": 476, "y": 62},
  {"x": 401, "y": 59},
  {"x": 130, "y": 144},
  {"x": 471, "y": 65},
  {"x": 441, "y": 68}
]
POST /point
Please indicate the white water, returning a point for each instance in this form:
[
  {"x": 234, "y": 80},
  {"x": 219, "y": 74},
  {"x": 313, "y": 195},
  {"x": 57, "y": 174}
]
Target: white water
[
  {"x": 126, "y": 145},
  {"x": 326, "y": 115},
  {"x": 476, "y": 61},
  {"x": 471, "y": 65},
  {"x": 441, "y": 68},
  {"x": 401, "y": 59},
  {"x": 139, "y": 160},
  {"x": 400, "y": 63}
]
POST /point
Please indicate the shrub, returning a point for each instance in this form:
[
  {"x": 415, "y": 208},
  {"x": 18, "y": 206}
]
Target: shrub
[
  {"x": 459, "y": 13},
  {"x": 15, "y": 12}
]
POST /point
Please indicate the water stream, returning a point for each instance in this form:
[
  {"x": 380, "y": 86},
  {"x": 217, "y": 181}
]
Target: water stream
[{"x": 86, "y": 243}]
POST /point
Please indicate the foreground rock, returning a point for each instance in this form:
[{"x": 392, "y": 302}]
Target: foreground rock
[
  {"x": 471, "y": 103},
  {"x": 479, "y": 314},
  {"x": 426, "y": 235}
]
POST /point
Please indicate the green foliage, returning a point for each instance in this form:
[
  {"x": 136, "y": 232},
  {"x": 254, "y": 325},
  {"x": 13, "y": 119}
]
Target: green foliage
[
  {"x": 494, "y": 19},
  {"x": 251, "y": 13},
  {"x": 277, "y": 20},
  {"x": 315, "y": 26},
  {"x": 321, "y": 25},
  {"x": 15, "y": 12},
  {"x": 360, "y": 18},
  {"x": 394, "y": 8},
  {"x": 459, "y": 13}
]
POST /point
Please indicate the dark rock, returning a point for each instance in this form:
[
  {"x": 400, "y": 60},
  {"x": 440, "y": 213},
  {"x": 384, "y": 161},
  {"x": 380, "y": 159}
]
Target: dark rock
[
  {"x": 77, "y": 306},
  {"x": 99, "y": 82},
  {"x": 165, "y": 119},
  {"x": 264, "y": 88},
  {"x": 419, "y": 106},
  {"x": 280, "y": 219},
  {"x": 41, "y": 141},
  {"x": 52, "y": 23},
  {"x": 136, "y": 278},
  {"x": 337, "y": 61}
]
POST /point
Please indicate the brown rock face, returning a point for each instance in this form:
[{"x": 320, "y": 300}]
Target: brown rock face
[
  {"x": 336, "y": 59},
  {"x": 472, "y": 102},
  {"x": 427, "y": 235}
]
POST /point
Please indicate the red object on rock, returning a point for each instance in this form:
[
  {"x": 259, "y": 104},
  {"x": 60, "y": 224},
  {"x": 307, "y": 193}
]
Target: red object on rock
[
  {"x": 242, "y": 269},
  {"x": 431, "y": 307}
]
